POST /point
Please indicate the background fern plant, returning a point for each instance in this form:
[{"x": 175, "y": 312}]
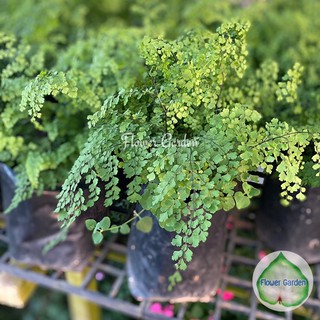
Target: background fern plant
[
  {"x": 43, "y": 147},
  {"x": 289, "y": 42}
]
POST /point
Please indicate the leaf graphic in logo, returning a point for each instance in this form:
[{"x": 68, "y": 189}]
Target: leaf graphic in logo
[{"x": 282, "y": 282}]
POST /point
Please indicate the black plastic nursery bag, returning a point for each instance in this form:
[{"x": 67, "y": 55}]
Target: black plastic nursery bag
[
  {"x": 294, "y": 228},
  {"x": 149, "y": 264},
  {"x": 32, "y": 225}
]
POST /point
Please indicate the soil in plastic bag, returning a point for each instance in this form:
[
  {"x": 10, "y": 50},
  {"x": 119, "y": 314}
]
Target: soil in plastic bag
[
  {"x": 32, "y": 225},
  {"x": 294, "y": 228},
  {"x": 149, "y": 264}
]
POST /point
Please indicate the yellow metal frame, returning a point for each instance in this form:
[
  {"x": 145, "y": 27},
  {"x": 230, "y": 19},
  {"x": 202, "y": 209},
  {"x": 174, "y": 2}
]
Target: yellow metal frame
[
  {"x": 16, "y": 292},
  {"x": 79, "y": 308}
]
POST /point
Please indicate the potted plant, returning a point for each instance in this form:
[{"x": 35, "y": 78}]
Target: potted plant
[
  {"x": 293, "y": 220},
  {"x": 41, "y": 151},
  {"x": 29, "y": 150},
  {"x": 288, "y": 34},
  {"x": 189, "y": 145}
]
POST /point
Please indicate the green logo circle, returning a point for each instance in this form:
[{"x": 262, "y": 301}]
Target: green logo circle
[{"x": 282, "y": 281}]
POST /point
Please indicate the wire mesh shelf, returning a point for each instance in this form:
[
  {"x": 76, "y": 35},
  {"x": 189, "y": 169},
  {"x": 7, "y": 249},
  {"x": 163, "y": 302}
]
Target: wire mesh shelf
[{"x": 241, "y": 257}]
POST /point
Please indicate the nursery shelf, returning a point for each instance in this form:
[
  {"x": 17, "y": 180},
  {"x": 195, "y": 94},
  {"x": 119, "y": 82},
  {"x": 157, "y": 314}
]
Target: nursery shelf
[{"x": 241, "y": 257}]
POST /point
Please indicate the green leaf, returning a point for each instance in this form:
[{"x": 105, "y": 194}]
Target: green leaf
[
  {"x": 206, "y": 225},
  {"x": 166, "y": 205},
  {"x": 228, "y": 203},
  {"x": 145, "y": 224},
  {"x": 124, "y": 229},
  {"x": 300, "y": 196},
  {"x": 90, "y": 224},
  {"x": 151, "y": 176},
  {"x": 97, "y": 237},
  {"x": 104, "y": 224},
  {"x": 114, "y": 229},
  {"x": 255, "y": 116},
  {"x": 188, "y": 255},
  {"x": 182, "y": 265},
  {"x": 241, "y": 200},
  {"x": 34, "y": 163},
  {"x": 177, "y": 241},
  {"x": 176, "y": 255},
  {"x": 250, "y": 190}
]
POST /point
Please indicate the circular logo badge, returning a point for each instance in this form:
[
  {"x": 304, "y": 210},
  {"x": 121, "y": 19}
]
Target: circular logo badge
[{"x": 282, "y": 281}]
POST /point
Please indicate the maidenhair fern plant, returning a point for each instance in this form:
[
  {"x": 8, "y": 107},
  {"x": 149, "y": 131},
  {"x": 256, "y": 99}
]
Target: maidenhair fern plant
[
  {"x": 187, "y": 132},
  {"x": 41, "y": 154},
  {"x": 42, "y": 150}
]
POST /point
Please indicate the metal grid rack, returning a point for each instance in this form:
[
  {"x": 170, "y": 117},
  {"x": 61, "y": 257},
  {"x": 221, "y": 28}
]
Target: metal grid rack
[
  {"x": 242, "y": 238},
  {"x": 242, "y": 252}
]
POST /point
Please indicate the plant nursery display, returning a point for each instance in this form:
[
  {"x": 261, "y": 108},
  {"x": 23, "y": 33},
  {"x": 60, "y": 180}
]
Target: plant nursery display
[
  {"x": 182, "y": 134},
  {"x": 170, "y": 107}
]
